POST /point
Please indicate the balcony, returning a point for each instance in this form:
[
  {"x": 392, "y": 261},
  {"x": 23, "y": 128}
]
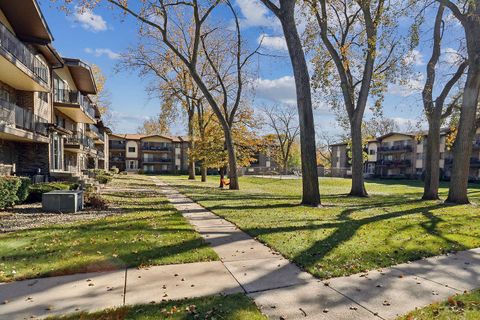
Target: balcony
[
  {"x": 117, "y": 159},
  {"x": 402, "y": 148},
  {"x": 156, "y": 148},
  {"x": 101, "y": 154},
  {"x": 394, "y": 163},
  {"x": 98, "y": 137},
  {"x": 78, "y": 141},
  {"x": 156, "y": 160},
  {"x": 116, "y": 147},
  {"x": 75, "y": 105},
  {"x": 20, "y": 67},
  {"x": 474, "y": 162},
  {"x": 20, "y": 124}
]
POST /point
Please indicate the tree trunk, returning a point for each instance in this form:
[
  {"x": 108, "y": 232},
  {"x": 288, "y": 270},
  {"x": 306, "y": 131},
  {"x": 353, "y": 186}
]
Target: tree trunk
[
  {"x": 311, "y": 193},
  {"x": 222, "y": 176},
  {"x": 232, "y": 161},
  {"x": 203, "y": 170},
  {"x": 432, "y": 158},
  {"x": 358, "y": 184},
  {"x": 462, "y": 148},
  {"x": 191, "y": 160}
]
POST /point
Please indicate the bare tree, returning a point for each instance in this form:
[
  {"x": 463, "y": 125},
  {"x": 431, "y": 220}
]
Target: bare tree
[
  {"x": 434, "y": 108},
  {"x": 285, "y": 12},
  {"x": 359, "y": 44},
  {"x": 283, "y": 121},
  {"x": 468, "y": 13}
]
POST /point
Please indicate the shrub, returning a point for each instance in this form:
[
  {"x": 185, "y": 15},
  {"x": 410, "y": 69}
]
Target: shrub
[
  {"x": 8, "y": 191},
  {"x": 115, "y": 170},
  {"x": 103, "y": 178},
  {"x": 124, "y": 172},
  {"x": 95, "y": 201},
  {"x": 23, "y": 189},
  {"x": 36, "y": 190}
]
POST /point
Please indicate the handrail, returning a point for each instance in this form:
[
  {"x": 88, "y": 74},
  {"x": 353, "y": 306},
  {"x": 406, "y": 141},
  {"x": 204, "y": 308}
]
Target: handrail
[
  {"x": 22, "y": 118},
  {"x": 23, "y": 54}
]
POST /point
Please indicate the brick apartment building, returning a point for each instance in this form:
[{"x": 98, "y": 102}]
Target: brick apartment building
[
  {"x": 48, "y": 123},
  {"x": 401, "y": 155},
  {"x": 148, "y": 153}
]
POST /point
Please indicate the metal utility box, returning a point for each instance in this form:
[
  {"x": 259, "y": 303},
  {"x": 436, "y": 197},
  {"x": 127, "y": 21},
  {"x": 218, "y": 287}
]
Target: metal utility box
[{"x": 67, "y": 201}]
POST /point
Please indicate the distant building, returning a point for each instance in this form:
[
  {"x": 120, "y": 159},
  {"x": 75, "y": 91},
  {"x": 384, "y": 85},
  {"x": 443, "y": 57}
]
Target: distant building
[
  {"x": 148, "y": 153},
  {"x": 401, "y": 155}
]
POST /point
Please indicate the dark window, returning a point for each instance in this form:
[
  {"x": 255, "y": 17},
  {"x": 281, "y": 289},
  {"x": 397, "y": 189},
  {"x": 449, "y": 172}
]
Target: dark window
[
  {"x": 131, "y": 149},
  {"x": 372, "y": 152}
]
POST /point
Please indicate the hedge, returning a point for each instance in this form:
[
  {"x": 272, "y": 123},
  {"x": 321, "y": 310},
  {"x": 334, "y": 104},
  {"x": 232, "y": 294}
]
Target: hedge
[
  {"x": 103, "y": 178},
  {"x": 36, "y": 190},
  {"x": 8, "y": 191}
]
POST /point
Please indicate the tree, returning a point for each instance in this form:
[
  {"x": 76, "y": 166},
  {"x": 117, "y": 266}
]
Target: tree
[
  {"x": 468, "y": 14},
  {"x": 360, "y": 45},
  {"x": 324, "y": 149},
  {"x": 102, "y": 99},
  {"x": 434, "y": 108},
  {"x": 282, "y": 120},
  {"x": 156, "y": 125},
  {"x": 186, "y": 22},
  {"x": 379, "y": 126},
  {"x": 285, "y": 12}
]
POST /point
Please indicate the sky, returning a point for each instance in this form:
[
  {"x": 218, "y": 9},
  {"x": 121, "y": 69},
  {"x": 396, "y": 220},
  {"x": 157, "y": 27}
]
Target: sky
[{"x": 101, "y": 36}]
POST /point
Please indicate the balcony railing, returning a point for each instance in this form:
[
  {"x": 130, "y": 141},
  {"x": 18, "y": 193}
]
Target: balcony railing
[
  {"x": 395, "y": 148},
  {"x": 101, "y": 154},
  {"x": 22, "y": 118},
  {"x": 16, "y": 48},
  {"x": 96, "y": 131},
  {"x": 156, "y": 148},
  {"x": 473, "y": 162},
  {"x": 74, "y": 97},
  {"x": 116, "y": 146},
  {"x": 394, "y": 163},
  {"x": 79, "y": 139},
  {"x": 156, "y": 160}
]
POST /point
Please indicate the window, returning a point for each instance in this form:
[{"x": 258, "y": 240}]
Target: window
[
  {"x": 372, "y": 152},
  {"x": 131, "y": 149}
]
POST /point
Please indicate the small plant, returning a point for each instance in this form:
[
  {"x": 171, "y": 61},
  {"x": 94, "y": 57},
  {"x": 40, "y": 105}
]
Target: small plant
[
  {"x": 115, "y": 170},
  {"x": 123, "y": 172},
  {"x": 103, "y": 178}
]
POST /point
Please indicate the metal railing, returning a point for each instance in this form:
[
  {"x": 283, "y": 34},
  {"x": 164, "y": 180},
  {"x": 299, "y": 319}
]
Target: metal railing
[
  {"x": 79, "y": 139},
  {"x": 101, "y": 154},
  {"x": 74, "y": 97},
  {"x": 406, "y": 148},
  {"x": 156, "y": 148},
  {"x": 22, "y": 118},
  {"x": 16, "y": 48},
  {"x": 473, "y": 161},
  {"x": 394, "y": 163},
  {"x": 116, "y": 146},
  {"x": 95, "y": 130},
  {"x": 156, "y": 160}
]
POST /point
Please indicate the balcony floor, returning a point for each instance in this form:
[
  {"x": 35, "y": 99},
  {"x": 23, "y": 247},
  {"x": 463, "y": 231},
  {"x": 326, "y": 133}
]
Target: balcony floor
[
  {"x": 14, "y": 134},
  {"x": 18, "y": 76}
]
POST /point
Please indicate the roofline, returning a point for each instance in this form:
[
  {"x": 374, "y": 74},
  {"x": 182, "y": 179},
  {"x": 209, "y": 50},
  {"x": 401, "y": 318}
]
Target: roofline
[
  {"x": 75, "y": 62},
  {"x": 44, "y": 21}
]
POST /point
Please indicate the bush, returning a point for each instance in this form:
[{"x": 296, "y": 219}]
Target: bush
[
  {"x": 115, "y": 170},
  {"x": 95, "y": 201},
  {"x": 23, "y": 189},
  {"x": 103, "y": 178},
  {"x": 36, "y": 190},
  {"x": 124, "y": 172},
  {"x": 8, "y": 191}
]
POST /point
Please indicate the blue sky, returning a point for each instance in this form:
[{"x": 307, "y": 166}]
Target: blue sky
[{"x": 101, "y": 36}]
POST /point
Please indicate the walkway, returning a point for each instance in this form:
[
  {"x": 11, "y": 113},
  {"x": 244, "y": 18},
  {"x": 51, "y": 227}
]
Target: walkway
[
  {"x": 278, "y": 287},
  {"x": 283, "y": 291}
]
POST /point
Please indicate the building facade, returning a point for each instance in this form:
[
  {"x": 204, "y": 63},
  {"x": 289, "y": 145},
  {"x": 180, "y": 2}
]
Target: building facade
[
  {"x": 148, "y": 153},
  {"x": 48, "y": 124},
  {"x": 402, "y": 155}
]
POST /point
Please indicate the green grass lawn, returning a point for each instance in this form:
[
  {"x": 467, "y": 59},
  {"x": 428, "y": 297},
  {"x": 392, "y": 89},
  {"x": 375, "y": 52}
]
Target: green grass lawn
[
  {"x": 148, "y": 232},
  {"x": 234, "y": 307},
  {"x": 460, "y": 307},
  {"x": 348, "y": 235}
]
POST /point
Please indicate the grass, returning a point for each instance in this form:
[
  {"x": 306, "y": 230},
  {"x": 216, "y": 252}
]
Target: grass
[
  {"x": 460, "y": 307},
  {"x": 348, "y": 235},
  {"x": 149, "y": 232},
  {"x": 234, "y": 307}
]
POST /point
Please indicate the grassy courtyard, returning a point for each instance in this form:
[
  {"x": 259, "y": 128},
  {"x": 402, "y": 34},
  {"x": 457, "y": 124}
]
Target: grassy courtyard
[
  {"x": 234, "y": 307},
  {"x": 460, "y": 307},
  {"x": 347, "y": 235},
  {"x": 147, "y": 231}
]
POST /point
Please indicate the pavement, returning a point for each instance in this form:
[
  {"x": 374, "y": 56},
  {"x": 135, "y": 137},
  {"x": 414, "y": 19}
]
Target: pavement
[{"x": 278, "y": 287}]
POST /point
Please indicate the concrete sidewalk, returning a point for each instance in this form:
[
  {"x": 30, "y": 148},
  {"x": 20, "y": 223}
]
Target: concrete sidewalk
[
  {"x": 281, "y": 289},
  {"x": 278, "y": 286}
]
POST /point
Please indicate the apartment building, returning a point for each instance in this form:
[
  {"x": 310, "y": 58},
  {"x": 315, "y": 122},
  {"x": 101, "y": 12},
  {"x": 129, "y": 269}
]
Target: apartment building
[
  {"x": 48, "y": 126},
  {"x": 148, "y": 153},
  {"x": 402, "y": 155}
]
